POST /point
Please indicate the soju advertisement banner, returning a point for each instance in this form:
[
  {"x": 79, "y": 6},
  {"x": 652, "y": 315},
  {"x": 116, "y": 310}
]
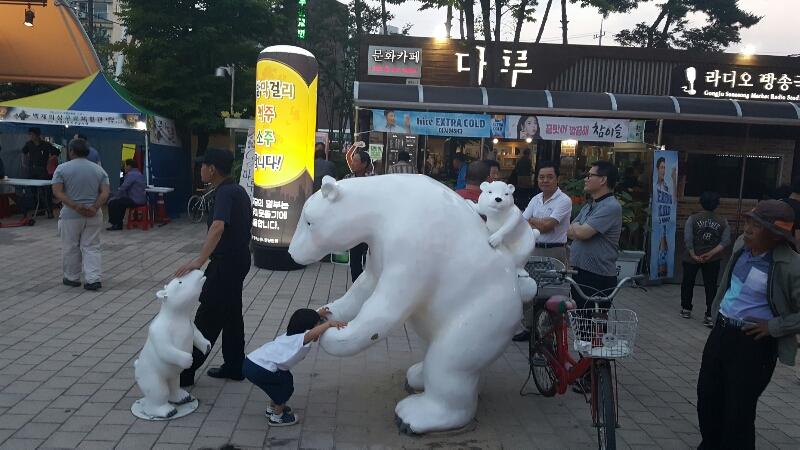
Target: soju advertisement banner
[{"x": 664, "y": 206}]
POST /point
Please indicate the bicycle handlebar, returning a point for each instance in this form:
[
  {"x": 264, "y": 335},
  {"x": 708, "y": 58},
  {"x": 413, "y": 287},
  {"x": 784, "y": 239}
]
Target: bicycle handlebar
[{"x": 565, "y": 275}]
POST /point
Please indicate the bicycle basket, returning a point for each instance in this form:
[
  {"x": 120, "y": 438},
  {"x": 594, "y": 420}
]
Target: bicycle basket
[
  {"x": 536, "y": 266},
  {"x": 603, "y": 333}
]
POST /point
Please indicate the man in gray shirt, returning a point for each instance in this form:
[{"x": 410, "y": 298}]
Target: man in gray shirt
[
  {"x": 83, "y": 188},
  {"x": 595, "y": 233},
  {"x": 595, "y": 241}
]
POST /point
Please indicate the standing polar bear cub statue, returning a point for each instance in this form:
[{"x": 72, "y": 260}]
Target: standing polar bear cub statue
[
  {"x": 508, "y": 228},
  {"x": 168, "y": 349},
  {"x": 455, "y": 290}
]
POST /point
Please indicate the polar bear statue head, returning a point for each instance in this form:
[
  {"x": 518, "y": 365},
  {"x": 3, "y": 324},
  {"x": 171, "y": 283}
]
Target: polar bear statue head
[
  {"x": 328, "y": 223},
  {"x": 182, "y": 293},
  {"x": 496, "y": 197}
]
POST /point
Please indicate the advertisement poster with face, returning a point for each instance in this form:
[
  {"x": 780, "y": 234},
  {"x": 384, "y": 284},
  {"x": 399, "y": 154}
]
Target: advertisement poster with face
[
  {"x": 431, "y": 123},
  {"x": 664, "y": 208}
]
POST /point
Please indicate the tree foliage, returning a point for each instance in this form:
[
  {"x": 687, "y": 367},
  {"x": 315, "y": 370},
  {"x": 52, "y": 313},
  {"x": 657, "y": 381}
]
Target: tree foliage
[
  {"x": 671, "y": 28},
  {"x": 175, "y": 47}
]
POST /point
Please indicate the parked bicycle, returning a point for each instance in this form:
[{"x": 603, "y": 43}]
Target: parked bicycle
[
  {"x": 199, "y": 205},
  {"x": 598, "y": 334}
]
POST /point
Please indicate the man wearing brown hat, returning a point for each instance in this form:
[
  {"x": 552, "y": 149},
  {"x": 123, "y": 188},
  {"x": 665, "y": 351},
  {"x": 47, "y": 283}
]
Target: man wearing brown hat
[{"x": 756, "y": 318}]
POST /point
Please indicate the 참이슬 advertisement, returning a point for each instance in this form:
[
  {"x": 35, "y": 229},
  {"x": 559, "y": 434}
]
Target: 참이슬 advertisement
[{"x": 664, "y": 206}]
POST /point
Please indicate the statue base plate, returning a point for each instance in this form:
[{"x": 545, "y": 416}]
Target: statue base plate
[{"x": 183, "y": 410}]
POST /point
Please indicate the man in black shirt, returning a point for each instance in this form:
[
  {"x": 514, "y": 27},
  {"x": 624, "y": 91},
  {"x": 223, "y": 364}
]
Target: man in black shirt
[
  {"x": 227, "y": 245},
  {"x": 37, "y": 151}
]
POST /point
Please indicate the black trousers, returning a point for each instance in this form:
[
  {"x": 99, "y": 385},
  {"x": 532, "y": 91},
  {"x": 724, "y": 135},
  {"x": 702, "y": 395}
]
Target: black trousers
[
  {"x": 710, "y": 277},
  {"x": 117, "y": 208},
  {"x": 735, "y": 371},
  {"x": 220, "y": 311},
  {"x": 358, "y": 257},
  {"x": 592, "y": 284}
]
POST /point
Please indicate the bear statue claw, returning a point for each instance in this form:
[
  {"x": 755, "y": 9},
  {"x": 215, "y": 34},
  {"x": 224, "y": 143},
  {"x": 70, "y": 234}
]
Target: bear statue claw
[
  {"x": 403, "y": 427},
  {"x": 183, "y": 401}
]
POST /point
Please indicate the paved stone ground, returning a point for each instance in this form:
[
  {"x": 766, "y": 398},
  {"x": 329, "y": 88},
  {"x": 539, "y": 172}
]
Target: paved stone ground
[{"x": 66, "y": 366}]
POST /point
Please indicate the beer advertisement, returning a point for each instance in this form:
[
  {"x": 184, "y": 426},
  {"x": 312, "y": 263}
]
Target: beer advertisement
[{"x": 664, "y": 208}]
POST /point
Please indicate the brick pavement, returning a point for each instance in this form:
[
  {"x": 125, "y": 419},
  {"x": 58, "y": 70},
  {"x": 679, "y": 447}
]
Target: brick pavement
[{"x": 66, "y": 366}]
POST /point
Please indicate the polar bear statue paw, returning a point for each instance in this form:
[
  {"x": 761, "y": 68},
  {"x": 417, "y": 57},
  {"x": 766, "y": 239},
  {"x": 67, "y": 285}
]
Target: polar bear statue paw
[
  {"x": 161, "y": 412},
  {"x": 180, "y": 397},
  {"x": 421, "y": 413}
]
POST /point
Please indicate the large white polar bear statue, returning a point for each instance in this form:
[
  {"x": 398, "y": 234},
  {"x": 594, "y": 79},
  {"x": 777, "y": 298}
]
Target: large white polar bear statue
[
  {"x": 168, "y": 349},
  {"x": 429, "y": 263}
]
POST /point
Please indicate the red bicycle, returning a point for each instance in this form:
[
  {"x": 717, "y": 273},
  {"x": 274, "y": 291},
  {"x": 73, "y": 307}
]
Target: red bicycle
[{"x": 599, "y": 335}]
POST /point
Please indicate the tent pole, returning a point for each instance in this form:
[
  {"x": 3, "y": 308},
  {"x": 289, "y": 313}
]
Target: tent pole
[{"x": 146, "y": 158}]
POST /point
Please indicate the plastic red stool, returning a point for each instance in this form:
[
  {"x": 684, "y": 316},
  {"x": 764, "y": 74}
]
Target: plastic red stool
[{"x": 139, "y": 216}]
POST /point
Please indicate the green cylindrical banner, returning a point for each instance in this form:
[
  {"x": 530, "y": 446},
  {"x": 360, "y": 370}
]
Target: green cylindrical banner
[{"x": 286, "y": 112}]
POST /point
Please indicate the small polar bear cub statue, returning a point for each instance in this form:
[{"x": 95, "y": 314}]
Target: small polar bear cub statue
[
  {"x": 168, "y": 349},
  {"x": 507, "y": 227}
]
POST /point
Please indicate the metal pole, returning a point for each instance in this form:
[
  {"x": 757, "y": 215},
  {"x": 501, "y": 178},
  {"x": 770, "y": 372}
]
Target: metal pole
[
  {"x": 90, "y": 14},
  {"x": 660, "y": 132},
  {"x": 232, "y": 70},
  {"x": 146, "y": 158},
  {"x": 741, "y": 179}
]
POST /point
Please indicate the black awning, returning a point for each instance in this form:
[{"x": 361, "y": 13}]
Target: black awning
[{"x": 580, "y": 104}]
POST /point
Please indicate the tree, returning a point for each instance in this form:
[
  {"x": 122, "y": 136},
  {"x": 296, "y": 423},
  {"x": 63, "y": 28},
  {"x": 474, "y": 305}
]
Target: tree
[
  {"x": 523, "y": 13},
  {"x": 604, "y": 7},
  {"x": 670, "y": 29},
  {"x": 176, "y": 46}
]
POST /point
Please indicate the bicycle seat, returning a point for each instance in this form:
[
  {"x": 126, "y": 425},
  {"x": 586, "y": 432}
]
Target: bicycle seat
[{"x": 560, "y": 304}]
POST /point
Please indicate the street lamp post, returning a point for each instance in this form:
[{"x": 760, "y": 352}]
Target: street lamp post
[
  {"x": 228, "y": 70},
  {"x": 221, "y": 72}
]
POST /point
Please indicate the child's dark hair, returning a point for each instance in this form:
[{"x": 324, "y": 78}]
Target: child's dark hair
[{"x": 302, "y": 320}]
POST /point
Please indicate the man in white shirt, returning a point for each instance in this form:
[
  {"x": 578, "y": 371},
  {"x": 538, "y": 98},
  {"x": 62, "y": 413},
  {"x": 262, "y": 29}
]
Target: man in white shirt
[{"x": 549, "y": 212}]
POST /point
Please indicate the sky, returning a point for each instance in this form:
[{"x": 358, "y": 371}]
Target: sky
[{"x": 777, "y": 34}]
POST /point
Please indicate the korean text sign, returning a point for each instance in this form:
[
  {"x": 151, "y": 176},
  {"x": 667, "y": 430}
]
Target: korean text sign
[
  {"x": 431, "y": 123},
  {"x": 561, "y": 128},
  {"x": 394, "y": 61},
  {"x": 285, "y": 126},
  {"x": 664, "y": 207}
]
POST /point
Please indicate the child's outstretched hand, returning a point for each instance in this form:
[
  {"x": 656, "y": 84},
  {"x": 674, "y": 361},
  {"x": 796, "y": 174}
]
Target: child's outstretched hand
[{"x": 336, "y": 323}]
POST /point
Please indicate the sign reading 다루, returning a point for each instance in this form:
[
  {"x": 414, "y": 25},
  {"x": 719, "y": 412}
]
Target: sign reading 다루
[
  {"x": 564, "y": 128},
  {"x": 431, "y": 123},
  {"x": 514, "y": 61},
  {"x": 664, "y": 208},
  {"x": 734, "y": 82},
  {"x": 395, "y": 61},
  {"x": 283, "y": 143}
]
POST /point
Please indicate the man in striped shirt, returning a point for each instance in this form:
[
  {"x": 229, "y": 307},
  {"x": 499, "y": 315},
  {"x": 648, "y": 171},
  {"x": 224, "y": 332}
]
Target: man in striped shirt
[{"x": 403, "y": 164}]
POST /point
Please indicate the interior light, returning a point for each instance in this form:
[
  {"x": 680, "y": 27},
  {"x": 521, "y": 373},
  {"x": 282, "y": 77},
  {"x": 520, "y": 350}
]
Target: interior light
[
  {"x": 29, "y": 15},
  {"x": 570, "y": 142},
  {"x": 528, "y": 140},
  {"x": 141, "y": 125},
  {"x": 495, "y": 141}
]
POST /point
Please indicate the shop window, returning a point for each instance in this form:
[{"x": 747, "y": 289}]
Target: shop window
[{"x": 722, "y": 174}]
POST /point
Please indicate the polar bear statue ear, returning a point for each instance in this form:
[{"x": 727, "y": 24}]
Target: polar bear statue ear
[
  {"x": 510, "y": 189},
  {"x": 330, "y": 188},
  {"x": 485, "y": 186},
  {"x": 162, "y": 294}
]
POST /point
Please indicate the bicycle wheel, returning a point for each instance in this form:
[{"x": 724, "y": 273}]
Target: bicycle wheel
[
  {"x": 542, "y": 350},
  {"x": 605, "y": 407},
  {"x": 194, "y": 209}
]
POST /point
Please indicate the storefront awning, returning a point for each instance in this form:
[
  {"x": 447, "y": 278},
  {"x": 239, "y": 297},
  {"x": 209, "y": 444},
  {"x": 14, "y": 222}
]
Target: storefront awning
[{"x": 581, "y": 104}]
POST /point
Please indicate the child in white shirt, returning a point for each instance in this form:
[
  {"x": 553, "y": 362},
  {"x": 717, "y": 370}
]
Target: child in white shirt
[{"x": 268, "y": 366}]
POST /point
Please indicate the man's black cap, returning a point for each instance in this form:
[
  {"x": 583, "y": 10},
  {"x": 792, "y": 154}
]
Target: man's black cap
[{"x": 221, "y": 159}]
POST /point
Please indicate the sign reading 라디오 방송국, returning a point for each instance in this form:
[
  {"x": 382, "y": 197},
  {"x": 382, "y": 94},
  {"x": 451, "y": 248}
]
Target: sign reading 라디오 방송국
[
  {"x": 734, "y": 82},
  {"x": 285, "y": 125},
  {"x": 395, "y": 61}
]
